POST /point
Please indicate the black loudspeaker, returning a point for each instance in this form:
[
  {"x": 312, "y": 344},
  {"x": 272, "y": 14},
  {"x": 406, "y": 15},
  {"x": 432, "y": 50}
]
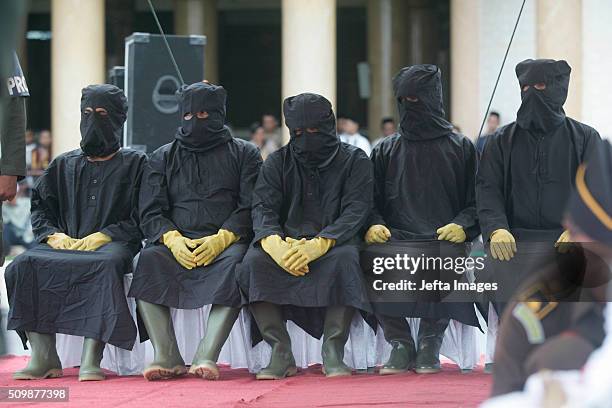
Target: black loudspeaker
[
  {"x": 151, "y": 82},
  {"x": 116, "y": 76}
]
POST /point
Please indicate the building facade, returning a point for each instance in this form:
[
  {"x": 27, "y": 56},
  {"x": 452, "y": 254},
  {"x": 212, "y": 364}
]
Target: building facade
[{"x": 346, "y": 50}]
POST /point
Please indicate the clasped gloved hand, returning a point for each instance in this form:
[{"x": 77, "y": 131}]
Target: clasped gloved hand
[
  {"x": 181, "y": 248},
  {"x": 503, "y": 245},
  {"x": 277, "y": 248},
  {"x": 451, "y": 232},
  {"x": 91, "y": 242},
  {"x": 209, "y": 247},
  {"x": 564, "y": 243},
  {"x": 377, "y": 234},
  {"x": 302, "y": 254},
  {"x": 59, "y": 240}
]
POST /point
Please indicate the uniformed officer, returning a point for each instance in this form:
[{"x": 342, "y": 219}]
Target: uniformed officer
[{"x": 557, "y": 319}]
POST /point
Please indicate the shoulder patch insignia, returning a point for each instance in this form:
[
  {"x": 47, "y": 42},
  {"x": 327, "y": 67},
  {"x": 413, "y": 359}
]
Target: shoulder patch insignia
[
  {"x": 528, "y": 318},
  {"x": 539, "y": 300}
]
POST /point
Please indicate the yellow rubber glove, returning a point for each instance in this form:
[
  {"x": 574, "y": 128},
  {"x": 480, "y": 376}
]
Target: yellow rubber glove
[
  {"x": 451, "y": 232},
  {"x": 377, "y": 234},
  {"x": 91, "y": 242},
  {"x": 563, "y": 244},
  {"x": 276, "y": 248},
  {"x": 180, "y": 247},
  {"x": 60, "y": 240},
  {"x": 295, "y": 242},
  {"x": 301, "y": 255},
  {"x": 209, "y": 247},
  {"x": 503, "y": 245}
]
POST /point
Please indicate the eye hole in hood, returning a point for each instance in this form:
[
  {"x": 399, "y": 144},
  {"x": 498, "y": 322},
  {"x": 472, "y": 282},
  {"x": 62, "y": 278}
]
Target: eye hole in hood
[
  {"x": 311, "y": 111},
  {"x": 200, "y": 133},
  {"x": 423, "y": 119},
  {"x": 101, "y": 133},
  {"x": 542, "y": 109}
]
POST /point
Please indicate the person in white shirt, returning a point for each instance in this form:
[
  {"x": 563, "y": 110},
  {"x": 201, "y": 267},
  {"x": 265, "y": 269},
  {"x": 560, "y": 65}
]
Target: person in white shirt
[
  {"x": 387, "y": 128},
  {"x": 352, "y": 136}
]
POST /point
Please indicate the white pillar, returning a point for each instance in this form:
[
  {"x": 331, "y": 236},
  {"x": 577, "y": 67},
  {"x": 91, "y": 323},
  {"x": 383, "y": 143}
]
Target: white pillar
[
  {"x": 596, "y": 66},
  {"x": 380, "y": 32},
  {"x": 78, "y": 60},
  {"x": 387, "y": 32},
  {"x": 465, "y": 66},
  {"x": 480, "y": 32},
  {"x": 309, "y": 48},
  {"x": 199, "y": 17},
  {"x": 560, "y": 37}
]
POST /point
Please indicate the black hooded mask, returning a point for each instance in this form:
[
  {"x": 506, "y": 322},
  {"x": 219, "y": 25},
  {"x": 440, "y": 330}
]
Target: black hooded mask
[
  {"x": 424, "y": 119},
  {"x": 542, "y": 111},
  {"x": 202, "y": 134},
  {"x": 311, "y": 111},
  {"x": 101, "y": 134}
]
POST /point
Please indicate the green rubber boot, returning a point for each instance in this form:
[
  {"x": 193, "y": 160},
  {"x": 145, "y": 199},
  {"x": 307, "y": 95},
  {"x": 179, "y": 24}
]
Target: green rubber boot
[
  {"x": 168, "y": 362},
  {"x": 431, "y": 333},
  {"x": 335, "y": 334},
  {"x": 220, "y": 322},
  {"x": 90, "y": 360},
  {"x": 273, "y": 329},
  {"x": 403, "y": 353},
  {"x": 44, "y": 361}
]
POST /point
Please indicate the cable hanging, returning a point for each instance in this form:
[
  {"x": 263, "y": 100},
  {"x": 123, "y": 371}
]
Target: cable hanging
[
  {"x": 484, "y": 119},
  {"x": 161, "y": 30}
]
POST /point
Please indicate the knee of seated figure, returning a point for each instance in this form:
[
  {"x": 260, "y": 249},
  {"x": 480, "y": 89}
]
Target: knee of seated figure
[{"x": 344, "y": 250}]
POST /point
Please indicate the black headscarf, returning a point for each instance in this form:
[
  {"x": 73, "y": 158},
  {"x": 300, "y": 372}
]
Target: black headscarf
[
  {"x": 590, "y": 206},
  {"x": 202, "y": 134},
  {"x": 542, "y": 111},
  {"x": 309, "y": 110},
  {"x": 424, "y": 119},
  {"x": 101, "y": 134}
]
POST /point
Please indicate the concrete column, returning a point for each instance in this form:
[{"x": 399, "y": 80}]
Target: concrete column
[
  {"x": 387, "y": 31},
  {"x": 380, "y": 34},
  {"x": 597, "y": 65},
  {"x": 480, "y": 32},
  {"x": 559, "y": 25},
  {"x": 78, "y": 60},
  {"x": 199, "y": 17},
  {"x": 465, "y": 64},
  {"x": 309, "y": 48}
]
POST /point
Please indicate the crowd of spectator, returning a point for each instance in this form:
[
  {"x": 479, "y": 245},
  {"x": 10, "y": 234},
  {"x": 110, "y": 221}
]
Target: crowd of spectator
[
  {"x": 16, "y": 213},
  {"x": 267, "y": 135}
]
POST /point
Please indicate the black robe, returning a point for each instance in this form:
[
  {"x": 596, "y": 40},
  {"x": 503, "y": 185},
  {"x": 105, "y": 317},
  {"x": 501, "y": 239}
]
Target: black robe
[
  {"x": 294, "y": 201},
  {"x": 525, "y": 179},
  {"x": 523, "y": 184},
  {"x": 196, "y": 193},
  {"x": 421, "y": 185},
  {"x": 77, "y": 292}
]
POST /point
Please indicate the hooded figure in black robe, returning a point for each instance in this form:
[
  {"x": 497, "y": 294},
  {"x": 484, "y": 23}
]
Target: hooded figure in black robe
[
  {"x": 527, "y": 173},
  {"x": 557, "y": 319},
  {"x": 424, "y": 204},
  {"x": 529, "y": 166},
  {"x": 311, "y": 199},
  {"x": 85, "y": 218},
  {"x": 195, "y": 210}
]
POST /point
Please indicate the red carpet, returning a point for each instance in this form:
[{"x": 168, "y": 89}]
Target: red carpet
[{"x": 237, "y": 388}]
